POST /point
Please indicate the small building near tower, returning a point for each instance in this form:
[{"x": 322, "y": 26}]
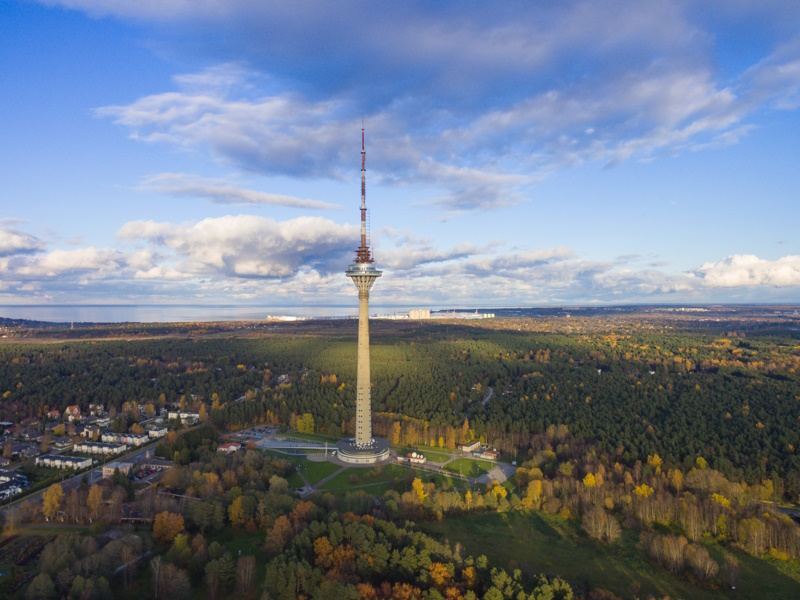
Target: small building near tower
[{"x": 470, "y": 446}]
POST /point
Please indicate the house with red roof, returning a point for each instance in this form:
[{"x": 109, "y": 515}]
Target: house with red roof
[
  {"x": 72, "y": 413},
  {"x": 229, "y": 447}
]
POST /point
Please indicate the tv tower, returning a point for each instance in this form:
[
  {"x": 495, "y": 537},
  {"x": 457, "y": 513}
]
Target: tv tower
[{"x": 363, "y": 449}]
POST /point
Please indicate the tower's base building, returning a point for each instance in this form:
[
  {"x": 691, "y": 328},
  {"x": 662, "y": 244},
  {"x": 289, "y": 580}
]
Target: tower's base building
[{"x": 350, "y": 452}]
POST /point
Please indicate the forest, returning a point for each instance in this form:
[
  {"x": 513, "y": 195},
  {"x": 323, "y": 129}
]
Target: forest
[
  {"x": 630, "y": 384},
  {"x": 657, "y": 446},
  {"x": 224, "y": 526}
]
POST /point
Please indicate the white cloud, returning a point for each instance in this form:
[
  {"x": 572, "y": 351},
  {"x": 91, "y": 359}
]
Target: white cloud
[
  {"x": 277, "y": 134},
  {"x": 222, "y": 192},
  {"x": 404, "y": 259},
  {"x": 248, "y": 258},
  {"x": 14, "y": 241},
  {"x": 96, "y": 262},
  {"x": 250, "y": 246},
  {"x": 747, "y": 270},
  {"x": 479, "y": 163}
]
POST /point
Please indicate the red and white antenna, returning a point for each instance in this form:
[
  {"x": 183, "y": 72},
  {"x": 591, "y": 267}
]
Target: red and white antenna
[{"x": 363, "y": 254}]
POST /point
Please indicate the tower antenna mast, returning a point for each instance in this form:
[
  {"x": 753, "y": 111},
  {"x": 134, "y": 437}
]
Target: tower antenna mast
[{"x": 363, "y": 254}]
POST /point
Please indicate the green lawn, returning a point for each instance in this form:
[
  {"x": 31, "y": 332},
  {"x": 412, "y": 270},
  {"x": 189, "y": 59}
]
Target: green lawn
[
  {"x": 387, "y": 473},
  {"x": 549, "y": 544},
  {"x": 316, "y": 471},
  {"x": 295, "y": 481},
  {"x": 469, "y": 467},
  {"x": 440, "y": 480}
]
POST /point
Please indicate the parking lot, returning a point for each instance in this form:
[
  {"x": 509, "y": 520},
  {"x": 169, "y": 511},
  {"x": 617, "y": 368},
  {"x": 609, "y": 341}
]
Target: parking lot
[
  {"x": 257, "y": 433},
  {"x": 148, "y": 474}
]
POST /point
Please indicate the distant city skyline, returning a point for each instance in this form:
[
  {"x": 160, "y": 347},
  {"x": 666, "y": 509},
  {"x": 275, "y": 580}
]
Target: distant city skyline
[{"x": 518, "y": 154}]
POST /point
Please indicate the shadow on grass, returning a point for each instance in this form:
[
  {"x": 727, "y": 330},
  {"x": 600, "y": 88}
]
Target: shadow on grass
[{"x": 552, "y": 545}]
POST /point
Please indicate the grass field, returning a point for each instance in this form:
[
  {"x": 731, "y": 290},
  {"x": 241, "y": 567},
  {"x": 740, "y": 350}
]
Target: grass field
[
  {"x": 440, "y": 480},
  {"x": 295, "y": 481},
  {"x": 543, "y": 543},
  {"x": 315, "y": 471},
  {"x": 469, "y": 467},
  {"x": 364, "y": 477}
]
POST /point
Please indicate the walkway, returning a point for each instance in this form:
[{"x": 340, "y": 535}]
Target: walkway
[{"x": 488, "y": 396}]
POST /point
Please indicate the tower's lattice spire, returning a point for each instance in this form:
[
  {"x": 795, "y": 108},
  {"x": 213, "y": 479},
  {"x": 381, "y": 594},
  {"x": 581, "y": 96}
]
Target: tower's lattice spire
[{"x": 362, "y": 253}]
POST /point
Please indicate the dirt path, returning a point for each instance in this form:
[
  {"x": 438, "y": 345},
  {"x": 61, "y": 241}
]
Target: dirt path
[{"x": 488, "y": 396}]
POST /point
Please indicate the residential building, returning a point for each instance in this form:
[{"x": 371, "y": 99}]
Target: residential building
[
  {"x": 131, "y": 439},
  {"x": 99, "y": 448},
  {"x": 59, "y": 461},
  {"x": 72, "y": 413},
  {"x": 186, "y": 417}
]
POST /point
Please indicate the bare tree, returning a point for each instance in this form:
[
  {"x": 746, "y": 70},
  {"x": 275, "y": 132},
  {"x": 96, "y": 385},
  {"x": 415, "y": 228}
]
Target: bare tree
[
  {"x": 155, "y": 567},
  {"x": 128, "y": 557},
  {"x": 731, "y": 570},
  {"x": 601, "y": 526},
  {"x": 73, "y": 506},
  {"x": 674, "y": 548},
  {"x": 692, "y": 521},
  {"x": 245, "y": 575},
  {"x": 702, "y": 564}
]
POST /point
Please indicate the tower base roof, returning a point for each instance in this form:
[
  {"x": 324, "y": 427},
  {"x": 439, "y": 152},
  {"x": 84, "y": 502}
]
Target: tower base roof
[{"x": 349, "y": 452}]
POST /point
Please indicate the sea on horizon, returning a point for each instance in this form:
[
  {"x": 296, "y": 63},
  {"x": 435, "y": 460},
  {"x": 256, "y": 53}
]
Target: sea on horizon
[{"x": 165, "y": 313}]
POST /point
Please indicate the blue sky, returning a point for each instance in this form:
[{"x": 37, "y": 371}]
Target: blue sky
[{"x": 518, "y": 153}]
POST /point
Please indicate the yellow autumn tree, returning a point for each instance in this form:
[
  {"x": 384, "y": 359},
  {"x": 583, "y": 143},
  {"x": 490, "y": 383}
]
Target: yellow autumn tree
[
  {"x": 498, "y": 490},
  {"x": 419, "y": 489},
  {"x": 721, "y": 500},
  {"x": 655, "y": 462},
  {"x": 94, "y": 502},
  {"x": 589, "y": 481},
  {"x": 676, "y": 479},
  {"x": 51, "y": 501},
  {"x": 643, "y": 491},
  {"x": 236, "y": 512},
  {"x": 439, "y": 574},
  {"x": 323, "y": 552},
  {"x": 166, "y": 526},
  {"x": 533, "y": 495}
]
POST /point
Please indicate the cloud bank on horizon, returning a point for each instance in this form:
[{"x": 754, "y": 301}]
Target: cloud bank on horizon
[{"x": 474, "y": 109}]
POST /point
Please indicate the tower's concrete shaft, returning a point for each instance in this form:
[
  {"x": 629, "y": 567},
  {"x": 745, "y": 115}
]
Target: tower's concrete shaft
[{"x": 363, "y": 276}]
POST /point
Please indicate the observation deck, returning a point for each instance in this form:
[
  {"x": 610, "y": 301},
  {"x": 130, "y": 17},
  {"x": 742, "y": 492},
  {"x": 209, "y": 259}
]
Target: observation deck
[{"x": 363, "y": 275}]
